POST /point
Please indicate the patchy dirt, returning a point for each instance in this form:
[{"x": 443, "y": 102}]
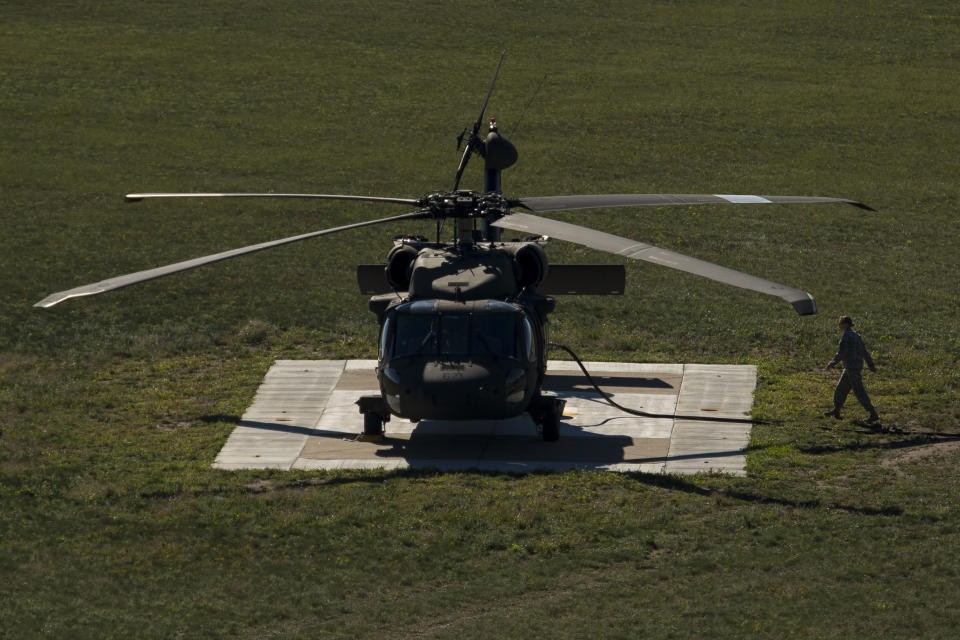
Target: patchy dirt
[
  {"x": 899, "y": 458},
  {"x": 167, "y": 427},
  {"x": 277, "y": 486},
  {"x": 13, "y": 362},
  {"x": 261, "y": 486}
]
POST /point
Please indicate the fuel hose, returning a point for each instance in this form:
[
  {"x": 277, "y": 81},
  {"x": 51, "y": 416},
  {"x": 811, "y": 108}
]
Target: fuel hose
[{"x": 637, "y": 412}]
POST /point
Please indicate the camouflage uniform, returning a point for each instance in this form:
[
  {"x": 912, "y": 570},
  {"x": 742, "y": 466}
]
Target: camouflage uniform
[{"x": 853, "y": 354}]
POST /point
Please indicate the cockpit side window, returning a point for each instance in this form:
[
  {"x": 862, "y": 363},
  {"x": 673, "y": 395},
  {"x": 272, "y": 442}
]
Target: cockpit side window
[
  {"x": 526, "y": 339},
  {"x": 386, "y": 337}
]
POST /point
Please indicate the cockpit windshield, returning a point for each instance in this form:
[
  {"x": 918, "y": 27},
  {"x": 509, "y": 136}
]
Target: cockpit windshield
[{"x": 458, "y": 334}]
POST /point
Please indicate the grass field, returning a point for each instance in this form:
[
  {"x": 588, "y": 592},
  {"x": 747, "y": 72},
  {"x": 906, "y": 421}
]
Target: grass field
[{"x": 112, "y": 408}]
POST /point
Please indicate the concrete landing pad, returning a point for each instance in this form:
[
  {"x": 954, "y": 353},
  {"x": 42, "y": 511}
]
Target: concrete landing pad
[{"x": 304, "y": 417}]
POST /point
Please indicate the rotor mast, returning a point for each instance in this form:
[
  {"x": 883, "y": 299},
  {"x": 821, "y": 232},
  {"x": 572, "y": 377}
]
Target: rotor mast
[{"x": 498, "y": 154}]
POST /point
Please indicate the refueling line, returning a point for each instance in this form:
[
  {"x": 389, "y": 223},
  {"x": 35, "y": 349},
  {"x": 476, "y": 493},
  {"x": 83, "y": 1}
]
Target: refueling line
[{"x": 637, "y": 412}]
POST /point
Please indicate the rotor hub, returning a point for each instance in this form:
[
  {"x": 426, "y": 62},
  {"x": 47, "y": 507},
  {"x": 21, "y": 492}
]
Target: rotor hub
[{"x": 465, "y": 204}]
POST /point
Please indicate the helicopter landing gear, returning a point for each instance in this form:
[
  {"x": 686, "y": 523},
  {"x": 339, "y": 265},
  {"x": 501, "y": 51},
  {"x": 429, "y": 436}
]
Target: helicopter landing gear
[
  {"x": 546, "y": 411},
  {"x": 550, "y": 427},
  {"x": 372, "y": 424},
  {"x": 375, "y": 414}
]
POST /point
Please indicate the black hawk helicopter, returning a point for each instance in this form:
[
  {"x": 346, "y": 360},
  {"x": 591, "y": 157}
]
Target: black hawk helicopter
[{"x": 463, "y": 323}]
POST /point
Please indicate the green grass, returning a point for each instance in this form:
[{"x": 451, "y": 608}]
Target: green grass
[{"x": 112, "y": 408}]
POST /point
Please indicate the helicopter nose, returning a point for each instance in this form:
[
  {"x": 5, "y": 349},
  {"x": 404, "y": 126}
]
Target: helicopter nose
[
  {"x": 453, "y": 376},
  {"x": 464, "y": 391}
]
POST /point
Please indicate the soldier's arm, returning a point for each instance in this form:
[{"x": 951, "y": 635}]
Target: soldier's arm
[
  {"x": 839, "y": 355},
  {"x": 868, "y": 359}
]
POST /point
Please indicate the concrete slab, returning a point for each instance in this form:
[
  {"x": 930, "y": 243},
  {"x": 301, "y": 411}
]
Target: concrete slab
[{"x": 304, "y": 416}]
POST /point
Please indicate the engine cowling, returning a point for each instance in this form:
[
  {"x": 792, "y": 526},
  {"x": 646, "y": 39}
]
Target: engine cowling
[
  {"x": 530, "y": 265},
  {"x": 399, "y": 266}
]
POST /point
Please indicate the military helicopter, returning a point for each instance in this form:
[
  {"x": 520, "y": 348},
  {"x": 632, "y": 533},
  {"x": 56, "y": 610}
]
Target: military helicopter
[{"x": 463, "y": 322}]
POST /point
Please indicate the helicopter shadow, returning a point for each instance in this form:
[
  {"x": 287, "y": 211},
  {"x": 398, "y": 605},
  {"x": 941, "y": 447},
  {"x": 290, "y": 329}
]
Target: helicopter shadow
[
  {"x": 518, "y": 453},
  {"x": 610, "y": 383},
  {"x": 485, "y": 446},
  {"x": 512, "y": 446}
]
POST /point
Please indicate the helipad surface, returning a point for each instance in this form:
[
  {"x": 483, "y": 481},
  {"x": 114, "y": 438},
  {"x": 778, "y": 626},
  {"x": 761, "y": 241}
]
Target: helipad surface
[{"x": 304, "y": 417}]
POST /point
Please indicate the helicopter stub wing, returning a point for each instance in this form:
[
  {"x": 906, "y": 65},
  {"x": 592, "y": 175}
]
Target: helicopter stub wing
[
  {"x": 150, "y": 274},
  {"x": 566, "y": 203},
  {"x": 802, "y": 302}
]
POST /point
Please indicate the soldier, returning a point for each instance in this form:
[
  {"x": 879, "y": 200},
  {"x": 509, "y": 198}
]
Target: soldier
[{"x": 853, "y": 354}]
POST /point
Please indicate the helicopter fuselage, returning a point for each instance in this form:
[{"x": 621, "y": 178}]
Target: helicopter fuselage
[
  {"x": 463, "y": 335},
  {"x": 452, "y": 360}
]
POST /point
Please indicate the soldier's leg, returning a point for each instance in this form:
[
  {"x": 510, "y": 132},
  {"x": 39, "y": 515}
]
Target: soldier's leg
[
  {"x": 841, "y": 391},
  {"x": 856, "y": 382}
]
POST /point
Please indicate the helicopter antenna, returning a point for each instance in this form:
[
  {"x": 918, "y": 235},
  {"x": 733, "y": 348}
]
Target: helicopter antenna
[
  {"x": 532, "y": 96},
  {"x": 474, "y": 142}
]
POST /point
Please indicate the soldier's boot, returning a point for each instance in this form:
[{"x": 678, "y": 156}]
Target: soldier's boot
[
  {"x": 873, "y": 417},
  {"x": 835, "y": 412}
]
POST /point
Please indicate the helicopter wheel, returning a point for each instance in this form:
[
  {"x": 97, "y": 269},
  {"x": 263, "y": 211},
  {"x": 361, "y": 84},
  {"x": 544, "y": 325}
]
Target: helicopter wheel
[{"x": 372, "y": 424}]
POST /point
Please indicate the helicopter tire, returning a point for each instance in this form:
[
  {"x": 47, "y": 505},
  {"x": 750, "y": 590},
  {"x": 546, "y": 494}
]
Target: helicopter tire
[{"x": 372, "y": 424}]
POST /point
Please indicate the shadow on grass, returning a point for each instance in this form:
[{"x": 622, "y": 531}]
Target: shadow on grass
[
  {"x": 677, "y": 483},
  {"x": 913, "y": 439},
  {"x": 666, "y": 482}
]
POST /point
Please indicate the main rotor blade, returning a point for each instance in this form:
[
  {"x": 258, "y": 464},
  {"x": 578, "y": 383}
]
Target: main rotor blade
[
  {"x": 483, "y": 109},
  {"x": 476, "y": 127},
  {"x": 567, "y": 203},
  {"x": 137, "y": 197},
  {"x": 802, "y": 301},
  {"x": 142, "y": 276}
]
